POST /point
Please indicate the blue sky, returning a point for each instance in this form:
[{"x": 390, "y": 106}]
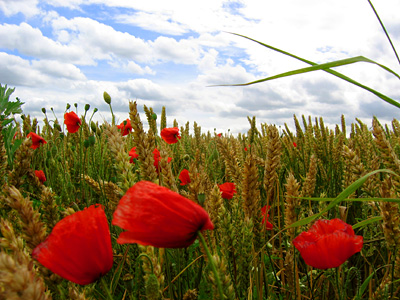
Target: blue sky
[{"x": 168, "y": 53}]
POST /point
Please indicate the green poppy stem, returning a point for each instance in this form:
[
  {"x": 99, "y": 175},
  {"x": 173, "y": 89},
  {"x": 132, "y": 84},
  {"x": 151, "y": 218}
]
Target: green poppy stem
[
  {"x": 339, "y": 290},
  {"x": 148, "y": 258},
  {"x": 112, "y": 114},
  {"x": 213, "y": 267},
  {"x": 106, "y": 289}
]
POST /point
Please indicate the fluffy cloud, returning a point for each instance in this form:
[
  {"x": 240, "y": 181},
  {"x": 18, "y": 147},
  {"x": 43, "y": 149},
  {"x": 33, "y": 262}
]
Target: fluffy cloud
[
  {"x": 18, "y": 71},
  {"x": 157, "y": 22},
  {"x": 26, "y": 7},
  {"x": 170, "y": 53}
]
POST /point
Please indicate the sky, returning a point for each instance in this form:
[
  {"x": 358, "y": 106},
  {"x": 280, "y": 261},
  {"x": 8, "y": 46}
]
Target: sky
[{"x": 177, "y": 53}]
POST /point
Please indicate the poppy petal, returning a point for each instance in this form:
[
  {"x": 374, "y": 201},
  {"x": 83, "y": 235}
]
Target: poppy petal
[
  {"x": 154, "y": 215},
  {"x": 79, "y": 247},
  {"x": 328, "y": 244},
  {"x": 170, "y": 135},
  {"x": 72, "y": 121}
]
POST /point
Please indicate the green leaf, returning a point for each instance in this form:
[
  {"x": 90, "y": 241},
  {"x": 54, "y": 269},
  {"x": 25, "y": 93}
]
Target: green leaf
[
  {"x": 367, "y": 222},
  {"x": 13, "y": 108},
  {"x": 326, "y": 68},
  {"x": 364, "y": 286},
  {"x": 397, "y": 200},
  {"x": 341, "y": 197},
  {"x": 316, "y": 67}
]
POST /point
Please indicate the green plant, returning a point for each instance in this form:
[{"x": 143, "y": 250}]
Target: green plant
[{"x": 7, "y": 110}]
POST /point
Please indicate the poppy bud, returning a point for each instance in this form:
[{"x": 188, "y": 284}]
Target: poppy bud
[
  {"x": 95, "y": 110},
  {"x": 152, "y": 287},
  {"x": 76, "y": 105},
  {"x": 86, "y": 143},
  {"x": 68, "y": 106},
  {"x": 54, "y": 150},
  {"x": 107, "y": 98},
  {"x": 87, "y": 107},
  {"x": 201, "y": 198},
  {"x": 93, "y": 126},
  {"x": 57, "y": 126},
  {"x": 43, "y": 110},
  {"x": 91, "y": 140},
  {"x": 154, "y": 116}
]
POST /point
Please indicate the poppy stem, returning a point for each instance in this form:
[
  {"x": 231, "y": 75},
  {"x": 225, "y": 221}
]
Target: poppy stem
[
  {"x": 151, "y": 263},
  {"x": 213, "y": 267},
  {"x": 339, "y": 290},
  {"x": 106, "y": 289}
]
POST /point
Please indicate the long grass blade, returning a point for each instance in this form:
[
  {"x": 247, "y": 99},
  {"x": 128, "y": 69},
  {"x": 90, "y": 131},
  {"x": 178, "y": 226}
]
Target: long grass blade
[
  {"x": 324, "y": 68},
  {"x": 343, "y": 195},
  {"x": 384, "y": 30},
  {"x": 397, "y": 200},
  {"x": 367, "y": 222}
]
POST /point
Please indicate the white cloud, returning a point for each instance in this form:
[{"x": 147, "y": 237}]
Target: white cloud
[
  {"x": 56, "y": 69},
  {"x": 30, "y": 41},
  {"x": 26, "y": 7},
  {"x": 98, "y": 40},
  {"x": 56, "y": 50},
  {"x": 157, "y": 22},
  {"x": 18, "y": 71},
  {"x": 132, "y": 67},
  {"x": 186, "y": 51}
]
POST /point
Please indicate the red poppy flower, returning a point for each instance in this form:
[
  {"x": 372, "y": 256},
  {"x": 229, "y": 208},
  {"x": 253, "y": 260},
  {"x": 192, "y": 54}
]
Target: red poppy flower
[
  {"x": 79, "y": 247},
  {"x": 245, "y": 148},
  {"x": 133, "y": 155},
  {"x": 37, "y": 140},
  {"x": 154, "y": 215},
  {"x": 328, "y": 243},
  {"x": 227, "y": 189},
  {"x": 264, "y": 210},
  {"x": 170, "y": 135},
  {"x": 184, "y": 177},
  {"x": 72, "y": 121},
  {"x": 294, "y": 144},
  {"x": 40, "y": 175},
  {"x": 219, "y": 134},
  {"x": 125, "y": 127},
  {"x": 157, "y": 158}
]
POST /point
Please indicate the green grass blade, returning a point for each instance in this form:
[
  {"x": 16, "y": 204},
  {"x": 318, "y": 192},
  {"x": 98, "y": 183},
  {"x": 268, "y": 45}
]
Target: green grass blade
[
  {"x": 384, "y": 30},
  {"x": 335, "y": 73},
  {"x": 316, "y": 67},
  {"x": 364, "y": 286},
  {"x": 397, "y": 200},
  {"x": 367, "y": 222},
  {"x": 342, "y": 196}
]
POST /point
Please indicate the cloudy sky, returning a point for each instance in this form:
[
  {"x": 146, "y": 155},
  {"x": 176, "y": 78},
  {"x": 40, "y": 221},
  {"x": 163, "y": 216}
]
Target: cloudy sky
[{"x": 170, "y": 53}]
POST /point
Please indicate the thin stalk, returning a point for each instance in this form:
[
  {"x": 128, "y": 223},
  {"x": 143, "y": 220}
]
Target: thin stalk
[
  {"x": 384, "y": 29},
  {"x": 106, "y": 289},
  {"x": 181, "y": 272},
  {"x": 113, "y": 116},
  {"x": 213, "y": 267},
  {"x": 149, "y": 259},
  {"x": 337, "y": 284}
]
